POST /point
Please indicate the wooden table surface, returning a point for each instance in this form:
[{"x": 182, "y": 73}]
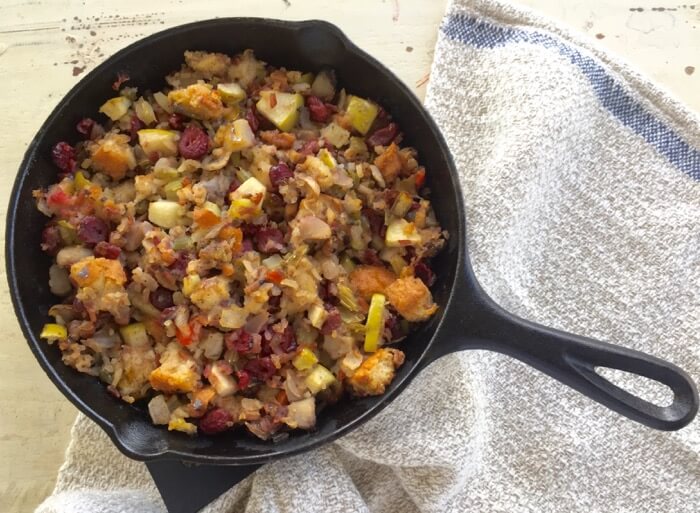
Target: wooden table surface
[{"x": 47, "y": 46}]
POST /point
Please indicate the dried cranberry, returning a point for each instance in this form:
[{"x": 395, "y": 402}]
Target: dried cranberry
[
  {"x": 261, "y": 369},
  {"x": 247, "y": 245},
  {"x": 243, "y": 379},
  {"x": 176, "y": 121},
  {"x": 92, "y": 230},
  {"x": 383, "y": 136},
  {"x": 162, "y": 298},
  {"x": 392, "y": 327},
  {"x": 424, "y": 273},
  {"x": 135, "y": 125},
  {"x": 179, "y": 266},
  {"x": 318, "y": 111},
  {"x": 84, "y": 126},
  {"x": 239, "y": 340},
  {"x": 107, "y": 250},
  {"x": 280, "y": 174},
  {"x": 63, "y": 155},
  {"x": 215, "y": 421},
  {"x": 311, "y": 147},
  {"x": 269, "y": 240},
  {"x": 193, "y": 143},
  {"x": 51, "y": 239},
  {"x": 235, "y": 184},
  {"x": 273, "y": 304},
  {"x": 288, "y": 341},
  {"x": 122, "y": 77},
  {"x": 333, "y": 322},
  {"x": 376, "y": 221},
  {"x": 370, "y": 257},
  {"x": 253, "y": 120}
]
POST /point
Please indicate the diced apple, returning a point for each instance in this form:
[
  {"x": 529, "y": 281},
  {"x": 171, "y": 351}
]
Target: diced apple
[
  {"x": 401, "y": 233},
  {"x": 224, "y": 384},
  {"x": 235, "y": 136},
  {"x": 231, "y": 93},
  {"x": 115, "y": 108},
  {"x": 156, "y": 140},
  {"x": 325, "y": 156},
  {"x": 247, "y": 200},
  {"x": 336, "y": 135},
  {"x": 135, "y": 335},
  {"x": 319, "y": 379},
  {"x": 165, "y": 213},
  {"x": 362, "y": 113},
  {"x": 282, "y": 109},
  {"x": 144, "y": 111}
]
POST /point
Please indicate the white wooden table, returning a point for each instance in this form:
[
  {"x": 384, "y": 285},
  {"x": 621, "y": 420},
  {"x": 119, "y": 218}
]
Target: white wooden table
[{"x": 46, "y": 46}]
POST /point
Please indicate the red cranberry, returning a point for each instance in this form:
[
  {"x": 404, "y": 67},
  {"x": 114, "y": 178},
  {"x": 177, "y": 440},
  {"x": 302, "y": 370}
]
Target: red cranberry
[
  {"x": 135, "y": 125},
  {"x": 215, "y": 421},
  {"x": 239, "y": 340},
  {"x": 51, "y": 239},
  {"x": 247, "y": 245},
  {"x": 269, "y": 240},
  {"x": 162, "y": 298},
  {"x": 179, "y": 266},
  {"x": 370, "y": 257},
  {"x": 63, "y": 155},
  {"x": 318, "y": 111},
  {"x": 235, "y": 184},
  {"x": 107, "y": 250},
  {"x": 288, "y": 341},
  {"x": 383, "y": 136},
  {"x": 92, "y": 230},
  {"x": 243, "y": 379},
  {"x": 424, "y": 273},
  {"x": 261, "y": 369},
  {"x": 176, "y": 121},
  {"x": 333, "y": 322},
  {"x": 193, "y": 143},
  {"x": 280, "y": 174},
  {"x": 84, "y": 127},
  {"x": 253, "y": 120},
  {"x": 122, "y": 77},
  {"x": 311, "y": 147},
  {"x": 376, "y": 221}
]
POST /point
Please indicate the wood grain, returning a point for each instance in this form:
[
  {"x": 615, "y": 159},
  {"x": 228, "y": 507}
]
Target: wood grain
[{"x": 46, "y": 46}]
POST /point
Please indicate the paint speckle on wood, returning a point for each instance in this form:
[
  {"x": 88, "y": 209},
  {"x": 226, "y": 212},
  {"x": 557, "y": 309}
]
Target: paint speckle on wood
[
  {"x": 600, "y": 36},
  {"x": 689, "y": 70},
  {"x": 409, "y": 49}
]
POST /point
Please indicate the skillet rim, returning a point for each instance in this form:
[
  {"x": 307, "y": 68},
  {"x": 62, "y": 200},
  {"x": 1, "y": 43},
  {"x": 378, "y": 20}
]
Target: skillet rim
[{"x": 111, "y": 428}]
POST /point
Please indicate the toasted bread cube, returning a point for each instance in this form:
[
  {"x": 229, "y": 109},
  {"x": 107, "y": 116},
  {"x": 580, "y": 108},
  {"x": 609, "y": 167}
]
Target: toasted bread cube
[
  {"x": 376, "y": 372},
  {"x": 411, "y": 298},
  {"x": 197, "y": 101},
  {"x": 367, "y": 280},
  {"x": 177, "y": 372},
  {"x": 112, "y": 155}
]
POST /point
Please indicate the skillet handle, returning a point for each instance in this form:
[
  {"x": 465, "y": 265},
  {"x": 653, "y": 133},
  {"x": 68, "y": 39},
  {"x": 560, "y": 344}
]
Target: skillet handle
[{"x": 572, "y": 360}]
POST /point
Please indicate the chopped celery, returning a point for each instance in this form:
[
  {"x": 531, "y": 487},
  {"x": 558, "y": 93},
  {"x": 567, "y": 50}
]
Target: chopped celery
[
  {"x": 170, "y": 189},
  {"x": 183, "y": 242},
  {"x": 305, "y": 359},
  {"x": 375, "y": 323},
  {"x": 53, "y": 331},
  {"x": 347, "y": 298},
  {"x": 325, "y": 156},
  {"x": 68, "y": 232},
  {"x": 347, "y": 263},
  {"x": 319, "y": 379}
]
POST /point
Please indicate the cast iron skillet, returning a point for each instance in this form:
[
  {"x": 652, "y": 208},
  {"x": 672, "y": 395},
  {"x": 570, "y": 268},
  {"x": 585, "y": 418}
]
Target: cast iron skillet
[{"x": 467, "y": 319}]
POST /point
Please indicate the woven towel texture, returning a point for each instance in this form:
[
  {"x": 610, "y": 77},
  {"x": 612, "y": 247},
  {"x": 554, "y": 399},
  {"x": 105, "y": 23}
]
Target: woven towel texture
[{"x": 581, "y": 181}]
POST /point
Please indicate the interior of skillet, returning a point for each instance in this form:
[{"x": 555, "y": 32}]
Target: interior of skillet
[{"x": 308, "y": 46}]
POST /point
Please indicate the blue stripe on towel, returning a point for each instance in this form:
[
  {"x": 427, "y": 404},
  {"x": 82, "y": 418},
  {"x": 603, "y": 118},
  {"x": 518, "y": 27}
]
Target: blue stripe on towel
[{"x": 610, "y": 92}]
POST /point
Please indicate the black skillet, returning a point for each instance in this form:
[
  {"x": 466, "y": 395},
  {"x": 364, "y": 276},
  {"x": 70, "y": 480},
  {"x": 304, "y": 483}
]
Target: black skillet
[{"x": 467, "y": 319}]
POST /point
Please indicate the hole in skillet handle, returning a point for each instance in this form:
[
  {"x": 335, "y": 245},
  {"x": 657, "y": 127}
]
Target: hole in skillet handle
[
  {"x": 475, "y": 321},
  {"x": 188, "y": 487}
]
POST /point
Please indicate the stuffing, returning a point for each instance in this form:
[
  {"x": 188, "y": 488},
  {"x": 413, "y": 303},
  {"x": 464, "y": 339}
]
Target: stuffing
[
  {"x": 376, "y": 372},
  {"x": 209, "y": 65},
  {"x": 371, "y": 279},
  {"x": 112, "y": 155},
  {"x": 197, "y": 101},
  {"x": 389, "y": 163},
  {"x": 411, "y": 298},
  {"x": 177, "y": 371}
]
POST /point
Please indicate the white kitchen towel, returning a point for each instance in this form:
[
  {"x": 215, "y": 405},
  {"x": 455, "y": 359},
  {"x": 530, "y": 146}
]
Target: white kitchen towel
[{"x": 582, "y": 186}]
